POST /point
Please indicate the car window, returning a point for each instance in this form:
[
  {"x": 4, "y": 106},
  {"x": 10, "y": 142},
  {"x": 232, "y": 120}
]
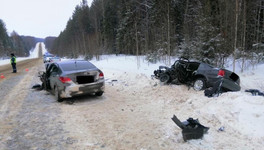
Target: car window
[
  {"x": 193, "y": 66},
  {"x": 78, "y": 65},
  {"x": 54, "y": 69},
  {"x": 205, "y": 66}
]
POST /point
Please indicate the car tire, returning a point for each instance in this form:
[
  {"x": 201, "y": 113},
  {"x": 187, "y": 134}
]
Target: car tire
[
  {"x": 99, "y": 93},
  {"x": 164, "y": 78},
  {"x": 199, "y": 84},
  {"x": 57, "y": 95}
]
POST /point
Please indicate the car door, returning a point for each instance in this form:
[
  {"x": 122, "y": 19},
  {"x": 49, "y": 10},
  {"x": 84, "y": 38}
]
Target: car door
[{"x": 54, "y": 76}]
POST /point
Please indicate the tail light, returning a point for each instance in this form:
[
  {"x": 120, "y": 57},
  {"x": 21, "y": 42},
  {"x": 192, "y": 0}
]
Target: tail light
[
  {"x": 221, "y": 73},
  {"x": 101, "y": 75},
  {"x": 65, "y": 79}
]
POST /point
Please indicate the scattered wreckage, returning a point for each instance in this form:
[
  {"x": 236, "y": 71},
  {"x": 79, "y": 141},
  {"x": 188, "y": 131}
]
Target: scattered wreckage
[
  {"x": 199, "y": 75},
  {"x": 255, "y": 92},
  {"x": 191, "y": 128}
]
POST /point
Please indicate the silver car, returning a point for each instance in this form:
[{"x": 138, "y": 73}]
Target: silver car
[{"x": 73, "y": 77}]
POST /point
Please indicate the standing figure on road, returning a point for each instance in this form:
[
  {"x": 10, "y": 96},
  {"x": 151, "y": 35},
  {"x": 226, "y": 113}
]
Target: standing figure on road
[{"x": 13, "y": 62}]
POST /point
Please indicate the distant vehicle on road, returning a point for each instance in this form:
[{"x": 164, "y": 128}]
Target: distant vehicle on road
[
  {"x": 70, "y": 78},
  {"x": 54, "y": 59},
  {"x": 46, "y": 57},
  {"x": 199, "y": 75}
]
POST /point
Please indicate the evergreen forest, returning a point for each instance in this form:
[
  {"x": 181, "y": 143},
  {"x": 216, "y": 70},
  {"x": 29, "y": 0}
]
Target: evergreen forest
[{"x": 206, "y": 30}]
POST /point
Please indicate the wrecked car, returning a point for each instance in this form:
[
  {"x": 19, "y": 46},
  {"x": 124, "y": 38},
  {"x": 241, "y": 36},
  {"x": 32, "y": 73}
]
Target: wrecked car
[
  {"x": 199, "y": 75},
  {"x": 71, "y": 78}
]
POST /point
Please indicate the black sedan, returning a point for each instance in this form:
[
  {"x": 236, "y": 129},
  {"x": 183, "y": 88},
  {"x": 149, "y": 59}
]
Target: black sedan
[
  {"x": 199, "y": 75},
  {"x": 73, "y": 77}
]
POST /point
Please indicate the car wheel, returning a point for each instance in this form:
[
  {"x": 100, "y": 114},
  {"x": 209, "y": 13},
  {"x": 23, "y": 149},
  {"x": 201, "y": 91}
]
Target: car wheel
[
  {"x": 99, "y": 93},
  {"x": 164, "y": 78},
  {"x": 57, "y": 94},
  {"x": 199, "y": 84}
]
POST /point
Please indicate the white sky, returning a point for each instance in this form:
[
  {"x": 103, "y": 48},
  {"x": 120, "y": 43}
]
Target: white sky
[{"x": 39, "y": 18}]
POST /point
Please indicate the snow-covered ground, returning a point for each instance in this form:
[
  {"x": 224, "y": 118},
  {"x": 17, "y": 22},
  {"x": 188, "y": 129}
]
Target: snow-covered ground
[
  {"x": 240, "y": 113},
  {"x": 250, "y": 110},
  {"x": 33, "y": 54}
]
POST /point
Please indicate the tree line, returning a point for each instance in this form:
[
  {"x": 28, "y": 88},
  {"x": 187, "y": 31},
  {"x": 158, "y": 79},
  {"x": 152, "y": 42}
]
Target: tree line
[
  {"x": 205, "y": 30},
  {"x": 19, "y": 45}
]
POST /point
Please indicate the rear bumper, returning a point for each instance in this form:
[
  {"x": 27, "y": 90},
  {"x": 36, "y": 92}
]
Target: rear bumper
[{"x": 76, "y": 89}]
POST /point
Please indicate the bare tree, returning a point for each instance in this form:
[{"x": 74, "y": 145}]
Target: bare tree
[{"x": 235, "y": 42}]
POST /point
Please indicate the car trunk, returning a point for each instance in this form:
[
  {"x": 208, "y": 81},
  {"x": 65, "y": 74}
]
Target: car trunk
[
  {"x": 84, "y": 77},
  {"x": 231, "y": 76}
]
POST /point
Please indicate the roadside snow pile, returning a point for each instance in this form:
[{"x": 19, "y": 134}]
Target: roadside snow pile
[
  {"x": 7, "y": 61},
  {"x": 44, "y": 50},
  {"x": 126, "y": 64},
  {"x": 33, "y": 54}
]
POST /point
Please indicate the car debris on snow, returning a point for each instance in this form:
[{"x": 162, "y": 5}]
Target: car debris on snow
[
  {"x": 255, "y": 92},
  {"x": 191, "y": 128},
  {"x": 214, "y": 91},
  {"x": 221, "y": 129},
  {"x": 37, "y": 87}
]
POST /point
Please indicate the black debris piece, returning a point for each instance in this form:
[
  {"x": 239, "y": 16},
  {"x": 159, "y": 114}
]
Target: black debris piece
[
  {"x": 191, "y": 128},
  {"x": 255, "y": 92},
  {"x": 37, "y": 87},
  {"x": 214, "y": 91}
]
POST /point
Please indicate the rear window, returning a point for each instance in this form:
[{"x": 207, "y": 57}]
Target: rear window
[{"x": 78, "y": 65}]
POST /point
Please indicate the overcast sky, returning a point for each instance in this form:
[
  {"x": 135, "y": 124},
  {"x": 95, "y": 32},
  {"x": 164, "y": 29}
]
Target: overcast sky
[{"x": 39, "y": 18}]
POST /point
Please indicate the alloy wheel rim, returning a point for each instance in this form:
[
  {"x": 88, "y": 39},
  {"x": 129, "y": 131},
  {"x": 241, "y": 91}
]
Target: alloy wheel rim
[{"x": 198, "y": 85}]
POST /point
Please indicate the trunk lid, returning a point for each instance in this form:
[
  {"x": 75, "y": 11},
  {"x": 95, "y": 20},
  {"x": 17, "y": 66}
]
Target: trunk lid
[
  {"x": 231, "y": 76},
  {"x": 83, "y": 76}
]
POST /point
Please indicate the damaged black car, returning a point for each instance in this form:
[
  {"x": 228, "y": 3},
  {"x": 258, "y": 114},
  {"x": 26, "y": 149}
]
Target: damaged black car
[{"x": 199, "y": 75}]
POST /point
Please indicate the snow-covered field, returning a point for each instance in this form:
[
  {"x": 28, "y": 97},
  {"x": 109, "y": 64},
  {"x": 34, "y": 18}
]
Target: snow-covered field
[
  {"x": 249, "y": 109},
  {"x": 239, "y": 113}
]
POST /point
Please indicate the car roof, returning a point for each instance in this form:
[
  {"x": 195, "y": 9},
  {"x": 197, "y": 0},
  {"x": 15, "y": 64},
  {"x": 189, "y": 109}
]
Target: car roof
[
  {"x": 69, "y": 65},
  {"x": 71, "y": 61},
  {"x": 55, "y": 57}
]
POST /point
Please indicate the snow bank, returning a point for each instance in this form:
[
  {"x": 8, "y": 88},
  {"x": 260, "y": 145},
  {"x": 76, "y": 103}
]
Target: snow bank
[
  {"x": 126, "y": 64},
  {"x": 33, "y": 54}
]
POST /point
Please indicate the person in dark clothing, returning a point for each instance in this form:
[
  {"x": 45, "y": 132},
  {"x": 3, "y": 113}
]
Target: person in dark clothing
[{"x": 13, "y": 63}]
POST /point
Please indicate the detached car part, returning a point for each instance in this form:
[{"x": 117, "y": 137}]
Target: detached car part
[{"x": 191, "y": 128}]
